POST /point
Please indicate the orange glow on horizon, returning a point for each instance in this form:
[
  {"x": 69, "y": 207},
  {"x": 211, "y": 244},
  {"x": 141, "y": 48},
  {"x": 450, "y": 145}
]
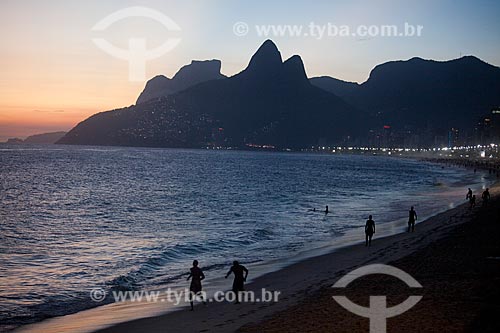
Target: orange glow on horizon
[{"x": 50, "y": 64}]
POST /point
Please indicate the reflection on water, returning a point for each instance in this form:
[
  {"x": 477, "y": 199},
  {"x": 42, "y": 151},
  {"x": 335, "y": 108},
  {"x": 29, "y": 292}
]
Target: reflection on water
[{"x": 132, "y": 218}]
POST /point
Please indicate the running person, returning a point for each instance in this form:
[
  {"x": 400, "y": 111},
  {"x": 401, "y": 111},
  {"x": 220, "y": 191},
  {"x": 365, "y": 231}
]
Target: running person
[
  {"x": 195, "y": 288},
  {"x": 239, "y": 278}
]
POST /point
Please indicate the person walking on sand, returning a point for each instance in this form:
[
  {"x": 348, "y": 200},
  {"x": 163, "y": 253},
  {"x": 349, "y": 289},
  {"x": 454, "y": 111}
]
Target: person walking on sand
[
  {"x": 411, "y": 219},
  {"x": 195, "y": 288},
  {"x": 369, "y": 230},
  {"x": 486, "y": 196},
  {"x": 469, "y": 194},
  {"x": 239, "y": 278},
  {"x": 473, "y": 201}
]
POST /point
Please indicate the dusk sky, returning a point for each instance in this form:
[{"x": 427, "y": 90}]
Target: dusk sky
[{"x": 54, "y": 76}]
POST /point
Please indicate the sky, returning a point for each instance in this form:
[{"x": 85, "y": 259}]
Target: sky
[{"x": 53, "y": 75}]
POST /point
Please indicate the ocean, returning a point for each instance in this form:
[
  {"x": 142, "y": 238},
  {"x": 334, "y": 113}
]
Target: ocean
[{"x": 73, "y": 218}]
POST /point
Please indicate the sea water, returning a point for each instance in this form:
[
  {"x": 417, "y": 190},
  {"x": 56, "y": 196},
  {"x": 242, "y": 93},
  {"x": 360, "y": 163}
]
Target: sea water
[{"x": 73, "y": 218}]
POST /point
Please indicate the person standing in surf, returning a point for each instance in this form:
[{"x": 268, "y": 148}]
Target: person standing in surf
[
  {"x": 195, "y": 288},
  {"x": 239, "y": 278},
  {"x": 369, "y": 230},
  {"x": 411, "y": 219},
  {"x": 469, "y": 194}
]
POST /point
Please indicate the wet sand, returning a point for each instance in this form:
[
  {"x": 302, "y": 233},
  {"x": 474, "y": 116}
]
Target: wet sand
[
  {"x": 460, "y": 275},
  {"x": 449, "y": 254}
]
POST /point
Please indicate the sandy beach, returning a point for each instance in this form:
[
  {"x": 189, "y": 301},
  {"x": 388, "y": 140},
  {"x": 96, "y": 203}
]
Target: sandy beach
[
  {"x": 296, "y": 272},
  {"x": 460, "y": 275},
  {"x": 453, "y": 255}
]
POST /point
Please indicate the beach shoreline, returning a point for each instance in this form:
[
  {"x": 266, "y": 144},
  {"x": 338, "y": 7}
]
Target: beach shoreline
[
  {"x": 81, "y": 319},
  {"x": 459, "y": 274},
  {"x": 303, "y": 279}
]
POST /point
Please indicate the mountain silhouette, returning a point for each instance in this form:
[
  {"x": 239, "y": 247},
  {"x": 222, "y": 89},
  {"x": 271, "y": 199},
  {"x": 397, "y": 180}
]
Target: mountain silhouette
[
  {"x": 187, "y": 76},
  {"x": 424, "y": 94},
  {"x": 266, "y": 62},
  {"x": 45, "y": 138},
  {"x": 270, "y": 102},
  {"x": 338, "y": 87}
]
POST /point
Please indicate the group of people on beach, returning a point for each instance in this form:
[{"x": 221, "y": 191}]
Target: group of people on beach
[
  {"x": 241, "y": 272},
  {"x": 370, "y": 225},
  {"x": 196, "y": 275},
  {"x": 492, "y": 166},
  {"x": 472, "y": 198}
]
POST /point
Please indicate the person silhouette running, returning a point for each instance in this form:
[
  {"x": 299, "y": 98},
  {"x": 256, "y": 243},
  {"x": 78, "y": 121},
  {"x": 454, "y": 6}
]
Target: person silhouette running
[
  {"x": 486, "y": 196},
  {"x": 412, "y": 217},
  {"x": 239, "y": 278},
  {"x": 369, "y": 230},
  {"x": 195, "y": 288},
  {"x": 469, "y": 194}
]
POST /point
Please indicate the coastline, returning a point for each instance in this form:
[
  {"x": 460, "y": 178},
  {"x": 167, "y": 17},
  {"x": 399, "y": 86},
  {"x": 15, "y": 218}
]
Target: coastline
[
  {"x": 303, "y": 279},
  {"x": 298, "y": 281},
  {"x": 460, "y": 276},
  {"x": 86, "y": 317}
]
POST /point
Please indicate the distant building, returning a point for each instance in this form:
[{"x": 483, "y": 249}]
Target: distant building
[
  {"x": 487, "y": 129},
  {"x": 453, "y": 137}
]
